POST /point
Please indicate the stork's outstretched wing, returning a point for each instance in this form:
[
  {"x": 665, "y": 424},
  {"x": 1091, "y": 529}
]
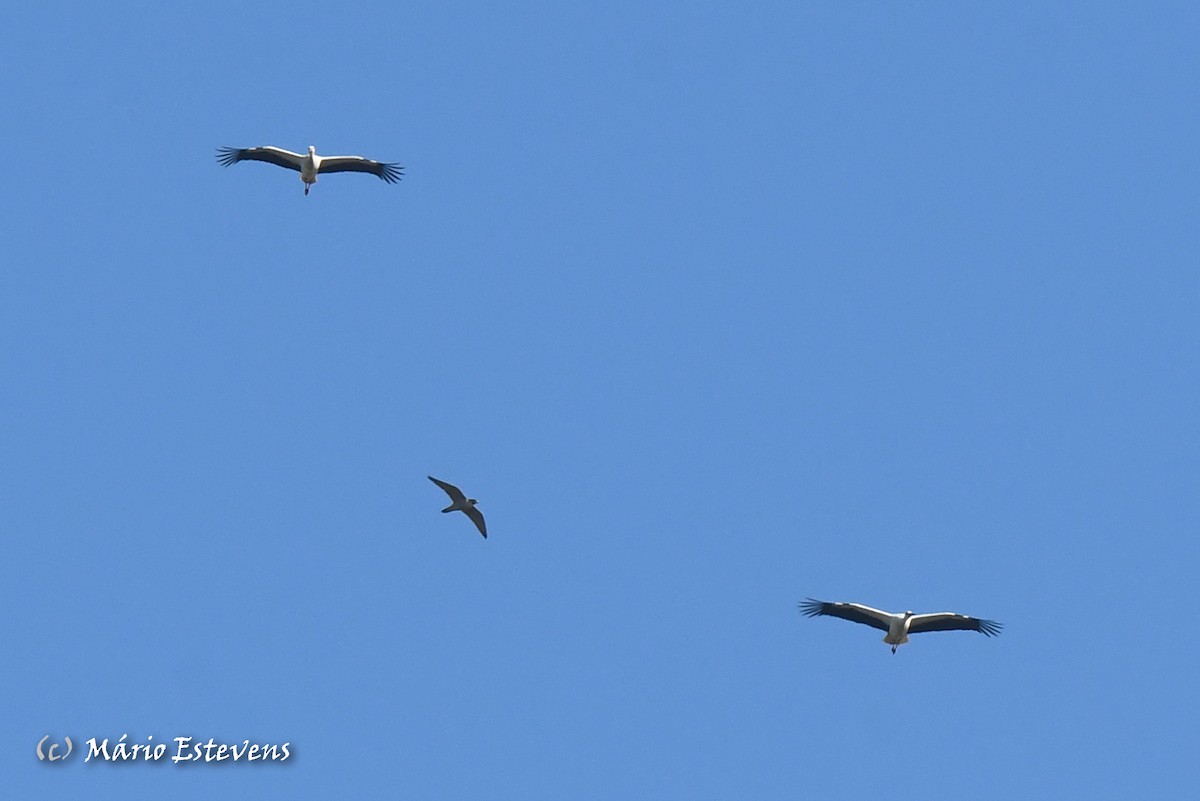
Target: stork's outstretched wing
[
  {"x": 388, "y": 172},
  {"x": 952, "y": 621},
  {"x": 272, "y": 155},
  {"x": 856, "y": 613}
]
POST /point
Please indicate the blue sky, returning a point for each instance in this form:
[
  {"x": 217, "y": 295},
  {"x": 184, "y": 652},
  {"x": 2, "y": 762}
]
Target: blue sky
[{"x": 712, "y": 310}]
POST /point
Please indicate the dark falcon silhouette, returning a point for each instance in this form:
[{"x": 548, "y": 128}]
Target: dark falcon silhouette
[{"x": 461, "y": 503}]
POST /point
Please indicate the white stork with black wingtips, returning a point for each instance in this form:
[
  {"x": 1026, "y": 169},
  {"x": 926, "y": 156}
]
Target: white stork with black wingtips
[
  {"x": 899, "y": 625},
  {"x": 310, "y": 165}
]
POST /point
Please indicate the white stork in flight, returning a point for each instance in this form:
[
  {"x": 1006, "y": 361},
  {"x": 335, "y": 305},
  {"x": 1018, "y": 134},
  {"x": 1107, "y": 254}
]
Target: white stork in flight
[
  {"x": 310, "y": 165},
  {"x": 899, "y": 625}
]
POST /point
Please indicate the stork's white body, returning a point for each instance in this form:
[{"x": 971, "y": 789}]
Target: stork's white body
[
  {"x": 309, "y": 167},
  {"x": 897, "y": 630}
]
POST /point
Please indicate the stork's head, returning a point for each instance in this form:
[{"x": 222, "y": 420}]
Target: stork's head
[
  {"x": 472, "y": 501},
  {"x": 909, "y": 613},
  {"x": 312, "y": 149}
]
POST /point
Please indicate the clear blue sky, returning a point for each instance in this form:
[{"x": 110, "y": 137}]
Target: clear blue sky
[{"x": 712, "y": 309}]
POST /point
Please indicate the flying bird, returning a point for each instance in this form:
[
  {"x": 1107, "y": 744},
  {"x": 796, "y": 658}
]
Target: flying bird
[
  {"x": 899, "y": 625},
  {"x": 310, "y": 165},
  {"x": 461, "y": 503}
]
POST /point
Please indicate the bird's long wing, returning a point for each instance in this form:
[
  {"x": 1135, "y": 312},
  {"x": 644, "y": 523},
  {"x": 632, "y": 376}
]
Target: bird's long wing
[
  {"x": 857, "y": 613},
  {"x": 456, "y": 495},
  {"x": 477, "y": 517},
  {"x": 388, "y": 172},
  {"x": 272, "y": 155},
  {"x": 951, "y": 621}
]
